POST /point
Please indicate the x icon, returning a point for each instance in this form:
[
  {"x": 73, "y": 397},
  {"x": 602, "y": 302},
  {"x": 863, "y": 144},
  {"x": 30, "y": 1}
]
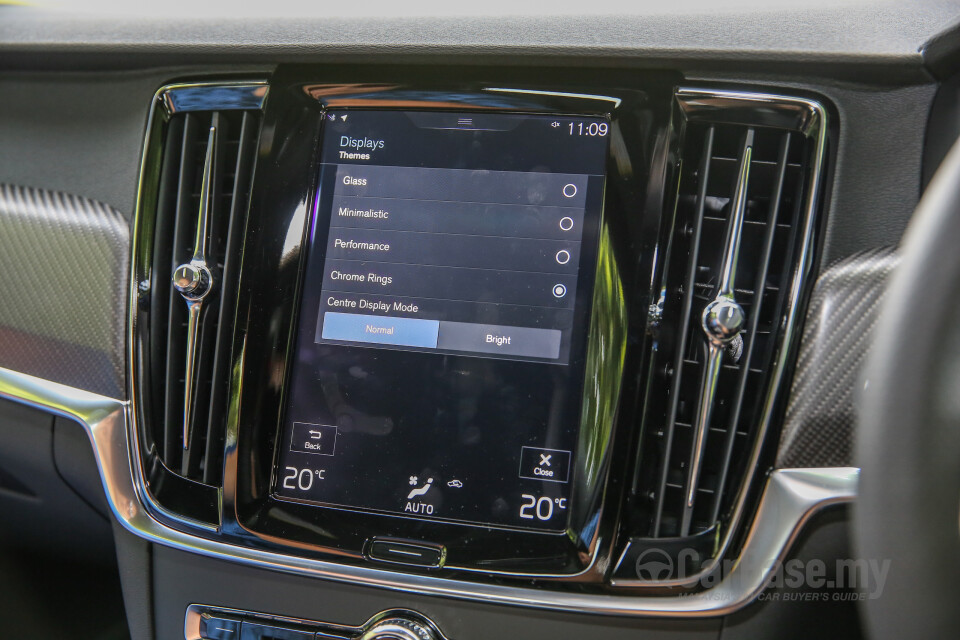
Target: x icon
[{"x": 545, "y": 459}]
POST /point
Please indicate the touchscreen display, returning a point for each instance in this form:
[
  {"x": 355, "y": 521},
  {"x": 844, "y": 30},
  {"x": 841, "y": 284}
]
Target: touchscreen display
[{"x": 438, "y": 366}]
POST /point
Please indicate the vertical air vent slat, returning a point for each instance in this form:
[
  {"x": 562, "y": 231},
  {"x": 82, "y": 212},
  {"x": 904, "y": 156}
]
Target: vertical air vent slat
[
  {"x": 241, "y": 168},
  {"x": 180, "y": 244},
  {"x": 734, "y": 256},
  {"x": 162, "y": 254},
  {"x": 694, "y": 230}
]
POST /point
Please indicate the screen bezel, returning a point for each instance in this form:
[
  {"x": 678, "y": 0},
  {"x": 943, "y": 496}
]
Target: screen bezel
[{"x": 269, "y": 298}]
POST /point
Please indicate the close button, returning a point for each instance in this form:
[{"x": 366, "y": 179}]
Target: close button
[{"x": 551, "y": 465}]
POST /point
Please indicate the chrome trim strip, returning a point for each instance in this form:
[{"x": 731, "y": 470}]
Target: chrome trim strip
[
  {"x": 615, "y": 102},
  {"x": 210, "y": 96},
  {"x": 708, "y": 392},
  {"x": 193, "y": 329},
  {"x": 206, "y": 192},
  {"x": 105, "y": 420},
  {"x": 751, "y": 108},
  {"x": 790, "y": 499},
  {"x": 731, "y": 252}
]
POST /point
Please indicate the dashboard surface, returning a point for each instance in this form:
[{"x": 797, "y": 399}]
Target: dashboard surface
[{"x": 88, "y": 133}]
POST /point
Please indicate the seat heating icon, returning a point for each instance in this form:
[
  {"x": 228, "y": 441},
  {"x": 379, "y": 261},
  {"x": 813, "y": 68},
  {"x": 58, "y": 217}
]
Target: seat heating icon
[{"x": 419, "y": 491}]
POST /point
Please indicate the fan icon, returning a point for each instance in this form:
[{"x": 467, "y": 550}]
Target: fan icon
[{"x": 414, "y": 480}]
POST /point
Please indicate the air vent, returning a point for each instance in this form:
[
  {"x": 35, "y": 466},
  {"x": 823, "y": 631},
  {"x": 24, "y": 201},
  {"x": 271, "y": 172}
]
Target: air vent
[
  {"x": 737, "y": 249},
  {"x": 204, "y": 147},
  {"x": 204, "y": 188}
]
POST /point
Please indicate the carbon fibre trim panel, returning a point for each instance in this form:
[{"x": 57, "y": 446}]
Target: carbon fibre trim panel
[
  {"x": 64, "y": 260},
  {"x": 822, "y": 414}
]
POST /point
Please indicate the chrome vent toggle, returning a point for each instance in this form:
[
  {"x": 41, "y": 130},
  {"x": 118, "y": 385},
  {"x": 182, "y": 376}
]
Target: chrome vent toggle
[
  {"x": 737, "y": 249},
  {"x": 194, "y": 280},
  {"x": 722, "y": 320}
]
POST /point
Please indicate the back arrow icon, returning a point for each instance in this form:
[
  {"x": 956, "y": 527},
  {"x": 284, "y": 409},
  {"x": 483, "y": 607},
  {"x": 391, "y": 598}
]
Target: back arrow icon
[{"x": 315, "y": 435}]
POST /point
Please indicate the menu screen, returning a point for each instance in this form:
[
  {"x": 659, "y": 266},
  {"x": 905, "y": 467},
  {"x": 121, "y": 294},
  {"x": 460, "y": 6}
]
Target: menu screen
[{"x": 438, "y": 366}]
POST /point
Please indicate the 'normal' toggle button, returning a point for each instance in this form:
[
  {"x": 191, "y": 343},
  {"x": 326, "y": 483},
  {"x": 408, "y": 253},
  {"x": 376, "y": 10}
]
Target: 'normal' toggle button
[{"x": 356, "y": 327}]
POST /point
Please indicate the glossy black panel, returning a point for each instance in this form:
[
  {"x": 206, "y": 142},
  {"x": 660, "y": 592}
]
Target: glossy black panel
[{"x": 283, "y": 201}]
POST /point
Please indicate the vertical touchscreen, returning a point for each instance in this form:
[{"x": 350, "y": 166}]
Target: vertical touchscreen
[{"x": 445, "y": 301}]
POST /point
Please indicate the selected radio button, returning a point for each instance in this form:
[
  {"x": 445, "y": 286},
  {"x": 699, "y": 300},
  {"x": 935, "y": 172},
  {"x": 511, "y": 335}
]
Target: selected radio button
[{"x": 559, "y": 291}]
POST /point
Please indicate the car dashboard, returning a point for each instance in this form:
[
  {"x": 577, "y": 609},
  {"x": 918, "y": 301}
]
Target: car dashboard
[{"x": 389, "y": 325}]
